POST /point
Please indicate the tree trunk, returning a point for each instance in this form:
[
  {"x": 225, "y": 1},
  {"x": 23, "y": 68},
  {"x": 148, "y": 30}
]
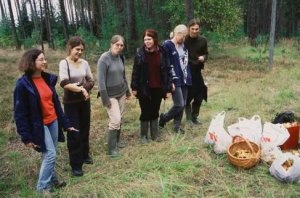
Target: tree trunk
[
  {"x": 89, "y": 15},
  {"x": 64, "y": 19},
  {"x": 82, "y": 16},
  {"x": 149, "y": 5},
  {"x": 132, "y": 28},
  {"x": 33, "y": 14},
  {"x": 19, "y": 14},
  {"x": 14, "y": 30},
  {"x": 120, "y": 12},
  {"x": 97, "y": 19},
  {"x": 272, "y": 33},
  {"x": 48, "y": 25},
  {"x": 189, "y": 9},
  {"x": 2, "y": 10},
  {"x": 41, "y": 32},
  {"x": 252, "y": 29}
]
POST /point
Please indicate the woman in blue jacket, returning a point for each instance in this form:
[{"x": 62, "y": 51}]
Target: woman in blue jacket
[
  {"x": 178, "y": 55},
  {"x": 38, "y": 114}
]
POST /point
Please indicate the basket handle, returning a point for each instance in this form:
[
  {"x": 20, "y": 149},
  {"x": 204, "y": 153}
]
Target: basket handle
[{"x": 242, "y": 139}]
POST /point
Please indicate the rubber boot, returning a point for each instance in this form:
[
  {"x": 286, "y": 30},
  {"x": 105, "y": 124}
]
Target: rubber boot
[
  {"x": 120, "y": 144},
  {"x": 144, "y": 131},
  {"x": 154, "y": 129},
  {"x": 112, "y": 143}
]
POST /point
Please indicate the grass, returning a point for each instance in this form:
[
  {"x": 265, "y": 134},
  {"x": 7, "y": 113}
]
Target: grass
[{"x": 181, "y": 165}]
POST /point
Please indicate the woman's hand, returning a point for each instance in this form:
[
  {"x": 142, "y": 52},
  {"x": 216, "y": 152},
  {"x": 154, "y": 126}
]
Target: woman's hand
[
  {"x": 134, "y": 92},
  {"x": 108, "y": 105},
  {"x": 31, "y": 145},
  {"x": 85, "y": 93},
  {"x": 72, "y": 129},
  {"x": 168, "y": 95},
  {"x": 201, "y": 59},
  {"x": 173, "y": 87}
]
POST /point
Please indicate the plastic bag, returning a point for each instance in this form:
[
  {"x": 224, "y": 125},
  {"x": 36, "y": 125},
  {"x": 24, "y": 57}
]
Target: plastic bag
[
  {"x": 250, "y": 129},
  {"x": 217, "y": 135},
  {"x": 286, "y": 168},
  {"x": 274, "y": 134},
  {"x": 269, "y": 153}
]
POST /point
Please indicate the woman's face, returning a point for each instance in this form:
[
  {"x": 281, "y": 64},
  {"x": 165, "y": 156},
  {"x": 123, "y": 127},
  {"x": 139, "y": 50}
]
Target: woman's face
[
  {"x": 75, "y": 52},
  {"x": 117, "y": 47},
  {"x": 40, "y": 63},
  {"x": 180, "y": 36},
  {"x": 148, "y": 42}
]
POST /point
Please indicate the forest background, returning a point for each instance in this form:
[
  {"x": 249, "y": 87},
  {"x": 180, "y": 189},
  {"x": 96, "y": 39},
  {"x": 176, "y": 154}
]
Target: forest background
[
  {"x": 29, "y": 23},
  {"x": 238, "y": 78}
]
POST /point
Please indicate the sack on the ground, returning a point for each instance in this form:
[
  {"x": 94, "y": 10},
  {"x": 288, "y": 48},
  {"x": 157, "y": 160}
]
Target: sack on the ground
[
  {"x": 274, "y": 134},
  {"x": 217, "y": 135},
  {"x": 286, "y": 168},
  {"x": 284, "y": 117},
  {"x": 250, "y": 129}
]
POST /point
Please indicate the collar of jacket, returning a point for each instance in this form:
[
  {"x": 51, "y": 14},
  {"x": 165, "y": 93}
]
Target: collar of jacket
[{"x": 50, "y": 79}]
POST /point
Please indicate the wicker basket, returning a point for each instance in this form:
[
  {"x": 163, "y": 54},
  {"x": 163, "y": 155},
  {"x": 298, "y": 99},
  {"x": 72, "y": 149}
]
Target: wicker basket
[{"x": 244, "y": 163}]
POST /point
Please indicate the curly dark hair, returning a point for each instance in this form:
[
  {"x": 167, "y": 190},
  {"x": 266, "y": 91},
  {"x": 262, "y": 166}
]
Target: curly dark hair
[{"x": 27, "y": 62}]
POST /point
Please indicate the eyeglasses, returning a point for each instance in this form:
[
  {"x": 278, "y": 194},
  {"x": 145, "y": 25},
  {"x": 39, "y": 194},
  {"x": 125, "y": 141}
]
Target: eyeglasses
[{"x": 119, "y": 45}]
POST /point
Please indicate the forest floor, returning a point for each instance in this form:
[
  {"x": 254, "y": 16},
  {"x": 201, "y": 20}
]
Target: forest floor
[{"x": 239, "y": 82}]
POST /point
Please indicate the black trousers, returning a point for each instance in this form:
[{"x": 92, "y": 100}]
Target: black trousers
[
  {"x": 150, "y": 104},
  {"x": 196, "y": 93},
  {"x": 78, "y": 142}
]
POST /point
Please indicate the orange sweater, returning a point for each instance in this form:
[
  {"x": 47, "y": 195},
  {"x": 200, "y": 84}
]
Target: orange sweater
[{"x": 47, "y": 105}]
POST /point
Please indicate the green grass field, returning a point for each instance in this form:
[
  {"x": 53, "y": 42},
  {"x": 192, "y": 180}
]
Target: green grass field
[{"x": 239, "y": 83}]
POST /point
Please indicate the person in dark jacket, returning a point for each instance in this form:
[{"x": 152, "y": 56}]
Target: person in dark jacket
[
  {"x": 38, "y": 114},
  {"x": 178, "y": 55},
  {"x": 151, "y": 81},
  {"x": 198, "y": 54}
]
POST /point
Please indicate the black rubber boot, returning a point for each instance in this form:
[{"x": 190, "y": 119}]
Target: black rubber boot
[
  {"x": 144, "y": 132},
  {"x": 154, "y": 130},
  {"x": 112, "y": 143},
  {"x": 188, "y": 112}
]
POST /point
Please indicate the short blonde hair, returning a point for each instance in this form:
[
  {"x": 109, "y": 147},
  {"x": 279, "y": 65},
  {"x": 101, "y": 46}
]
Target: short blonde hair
[{"x": 180, "y": 29}]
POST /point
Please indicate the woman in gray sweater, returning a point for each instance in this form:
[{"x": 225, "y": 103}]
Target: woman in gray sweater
[{"x": 113, "y": 89}]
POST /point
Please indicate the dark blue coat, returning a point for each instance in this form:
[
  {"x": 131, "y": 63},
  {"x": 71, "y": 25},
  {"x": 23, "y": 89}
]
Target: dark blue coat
[
  {"x": 178, "y": 76},
  {"x": 28, "y": 112}
]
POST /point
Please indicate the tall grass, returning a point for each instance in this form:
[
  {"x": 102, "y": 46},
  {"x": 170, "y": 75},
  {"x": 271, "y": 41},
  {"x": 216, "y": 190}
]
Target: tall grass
[{"x": 181, "y": 165}]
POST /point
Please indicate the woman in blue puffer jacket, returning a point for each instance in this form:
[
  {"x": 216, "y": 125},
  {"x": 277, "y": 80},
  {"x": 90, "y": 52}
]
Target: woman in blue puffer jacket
[{"x": 178, "y": 55}]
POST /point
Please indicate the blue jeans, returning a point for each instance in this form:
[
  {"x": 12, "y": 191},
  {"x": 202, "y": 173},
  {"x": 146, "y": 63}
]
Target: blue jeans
[{"x": 47, "y": 172}]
